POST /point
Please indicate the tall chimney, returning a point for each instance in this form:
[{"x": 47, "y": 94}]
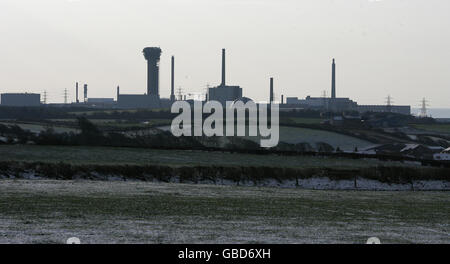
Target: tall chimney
[
  {"x": 118, "y": 93},
  {"x": 78, "y": 101},
  {"x": 172, "y": 90},
  {"x": 333, "y": 80},
  {"x": 282, "y": 99},
  {"x": 223, "y": 67},
  {"x": 271, "y": 90}
]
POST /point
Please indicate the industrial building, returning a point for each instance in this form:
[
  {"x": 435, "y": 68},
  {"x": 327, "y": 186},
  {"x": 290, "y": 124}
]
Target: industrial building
[
  {"x": 224, "y": 93},
  {"x": 20, "y": 99},
  {"x": 332, "y": 103},
  {"x": 340, "y": 104},
  {"x": 323, "y": 103},
  {"x": 137, "y": 101},
  {"x": 152, "y": 98},
  {"x": 101, "y": 102},
  {"x": 398, "y": 109}
]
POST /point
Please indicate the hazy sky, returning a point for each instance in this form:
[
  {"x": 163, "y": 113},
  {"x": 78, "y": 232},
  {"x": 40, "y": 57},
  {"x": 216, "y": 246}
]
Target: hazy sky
[{"x": 396, "y": 47}]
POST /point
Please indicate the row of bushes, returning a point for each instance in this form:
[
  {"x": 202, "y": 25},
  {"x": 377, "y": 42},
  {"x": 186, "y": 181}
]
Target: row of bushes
[
  {"x": 69, "y": 112},
  {"x": 90, "y": 135},
  {"x": 63, "y": 171}
]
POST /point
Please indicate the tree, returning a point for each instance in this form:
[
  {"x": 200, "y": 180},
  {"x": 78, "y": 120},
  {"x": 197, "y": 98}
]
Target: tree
[{"x": 90, "y": 134}]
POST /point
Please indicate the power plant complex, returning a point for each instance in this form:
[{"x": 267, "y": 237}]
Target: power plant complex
[{"x": 222, "y": 93}]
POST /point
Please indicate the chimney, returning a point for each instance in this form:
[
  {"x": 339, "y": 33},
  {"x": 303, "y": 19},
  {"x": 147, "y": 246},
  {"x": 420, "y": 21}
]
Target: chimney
[
  {"x": 223, "y": 67},
  {"x": 282, "y": 99},
  {"x": 333, "y": 80},
  {"x": 172, "y": 90},
  {"x": 85, "y": 92},
  {"x": 78, "y": 101},
  {"x": 271, "y": 90},
  {"x": 118, "y": 93}
]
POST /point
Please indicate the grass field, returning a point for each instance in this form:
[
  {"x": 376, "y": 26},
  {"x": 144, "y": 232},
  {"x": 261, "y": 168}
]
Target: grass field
[
  {"x": 36, "y": 128},
  {"x": 117, "y": 124},
  {"x": 294, "y": 135},
  {"x": 439, "y": 128},
  {"x": 301, "y": 120},
  {"x": 116, "y": 156},
  {"x": 88, "y": 113},
  {"x": 132, "y": 212}
]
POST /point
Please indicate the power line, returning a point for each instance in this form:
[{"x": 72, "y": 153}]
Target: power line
[
  {"x": 180, "y": 94},
  {"x": 44, "y": 99},
  {"x": 389, "y": 103},
  {"x": 424, "y": 109},
  {"x": 65, "y": 96}
]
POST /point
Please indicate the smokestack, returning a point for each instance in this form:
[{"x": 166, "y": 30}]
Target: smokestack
[
  {"x": 172, "y": 90},
  {"x": 333, "y": 80},
  {"x": 223, "y": 67},
  {"x": 282, "y": 99},
  {"x": 78, "y": 101},
  {"x": 118, "y": 92},
  {"x": 153, "y": 56},
  {"x": 271, "y": 90},
  {"x": 85, "y": 92}
]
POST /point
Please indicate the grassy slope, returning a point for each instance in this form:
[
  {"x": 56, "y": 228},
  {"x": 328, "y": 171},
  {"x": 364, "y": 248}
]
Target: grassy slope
[
  {"x": 297, "y": 135},
  {"x": 116, "y": 156},
  {"x": 294, "y": 135},
  {"x": 36, "y": 128},
  {"x": 301, "y": 120},
  {"x": 117, "y": 124},
  {"x": 439, "y": 128},
  {"x": 118, "y": 212}
]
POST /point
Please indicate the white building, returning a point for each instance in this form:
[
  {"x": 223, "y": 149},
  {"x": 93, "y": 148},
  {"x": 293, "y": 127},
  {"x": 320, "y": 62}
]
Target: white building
[{"x": 444, "y": 155}]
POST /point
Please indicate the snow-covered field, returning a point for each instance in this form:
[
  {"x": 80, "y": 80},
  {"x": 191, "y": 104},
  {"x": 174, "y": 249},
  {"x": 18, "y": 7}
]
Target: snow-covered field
[
  {"x": 312, "y": 183},
  {"x": 47, "y": 211}
]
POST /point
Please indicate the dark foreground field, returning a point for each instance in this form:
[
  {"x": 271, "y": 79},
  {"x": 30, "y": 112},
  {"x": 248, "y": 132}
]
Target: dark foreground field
[
  {"x": 83, "y": 155},
  {"x": 136, "y": 212}
]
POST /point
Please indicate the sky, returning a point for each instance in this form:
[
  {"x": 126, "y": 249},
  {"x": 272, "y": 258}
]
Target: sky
[{"x": 399, "y": 48}]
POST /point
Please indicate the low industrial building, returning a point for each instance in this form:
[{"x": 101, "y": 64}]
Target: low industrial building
[
  {"x": 343, "y": 104},
  {"x": 138, "y": 101},
  {"x": 323, "y": 103},
  {"x": 398, "y": 109},
  {"x": 20, "y": 99},
  {"x": 224, "y": 94},
  {"x": 100, "y": 100}
]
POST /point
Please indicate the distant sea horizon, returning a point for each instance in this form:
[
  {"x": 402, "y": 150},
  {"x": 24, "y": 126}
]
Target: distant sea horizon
[{"x": 434, "y": 112}]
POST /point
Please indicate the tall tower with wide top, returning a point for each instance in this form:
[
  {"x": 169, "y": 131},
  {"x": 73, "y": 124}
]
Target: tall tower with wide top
[{"x": 153, "y": 56}]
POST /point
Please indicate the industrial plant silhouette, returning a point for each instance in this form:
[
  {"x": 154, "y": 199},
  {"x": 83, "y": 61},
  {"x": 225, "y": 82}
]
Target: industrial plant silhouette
[{"x": 222, "y": 93}]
